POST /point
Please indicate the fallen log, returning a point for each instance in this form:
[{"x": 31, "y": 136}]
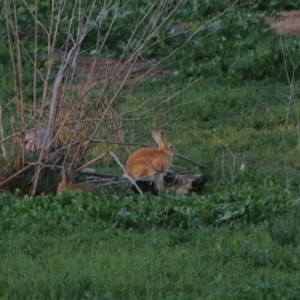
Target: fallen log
[{"x": 181, "y": 183}]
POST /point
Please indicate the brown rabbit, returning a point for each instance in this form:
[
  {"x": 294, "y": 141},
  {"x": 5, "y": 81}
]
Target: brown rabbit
[
  {"x": 66, "y": 183},
  {"x": 146, "y": 162}
]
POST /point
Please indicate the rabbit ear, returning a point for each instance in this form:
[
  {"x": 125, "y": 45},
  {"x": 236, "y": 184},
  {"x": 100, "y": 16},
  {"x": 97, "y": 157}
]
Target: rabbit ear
[
  {"x": 162, "y": 136},
  {"x": 67, "y": 176},
  {"x": 159, "y": 138},
  {"x": 70, "y": 175},
  {"x": 63, "y": 175}
]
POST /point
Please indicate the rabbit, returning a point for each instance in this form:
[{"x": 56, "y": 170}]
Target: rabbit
[
  {"x": 66, "y": 183},
  {"x": 147, "y": 162}
]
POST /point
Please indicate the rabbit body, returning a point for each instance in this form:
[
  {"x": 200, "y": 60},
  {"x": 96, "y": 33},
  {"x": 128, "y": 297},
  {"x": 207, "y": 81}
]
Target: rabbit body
[
  {"x": 147, "y": 162},
  {"x": 79, "y": 187},
  {"x": 66, "y": 183}
]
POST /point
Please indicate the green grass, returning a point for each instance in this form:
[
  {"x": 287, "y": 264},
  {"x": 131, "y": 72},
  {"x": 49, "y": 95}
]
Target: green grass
[
  {"x": 211, "y": 246},
  {"x": 223, "y": 126},
  {"x": 215, "y": 245},
  {"x": 237, "y": 262}
]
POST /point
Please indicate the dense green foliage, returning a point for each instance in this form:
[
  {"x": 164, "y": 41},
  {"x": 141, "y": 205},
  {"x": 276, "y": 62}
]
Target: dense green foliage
[
  {"x": 229, "y": 263},
  {"x": 86, "y": 247},
  {"x": 242, "y": 202}
]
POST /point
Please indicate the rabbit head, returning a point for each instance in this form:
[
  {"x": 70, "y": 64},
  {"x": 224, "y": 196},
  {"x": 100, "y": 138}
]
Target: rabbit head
[
  {"x": 159, "y": 138},
  {"x": 67, "y": 183}
]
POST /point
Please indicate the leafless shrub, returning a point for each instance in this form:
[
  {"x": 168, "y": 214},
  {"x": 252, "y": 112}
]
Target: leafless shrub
[{"x": 65, "y": 119}]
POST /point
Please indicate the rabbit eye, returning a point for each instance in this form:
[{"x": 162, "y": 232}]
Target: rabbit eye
[{"x": 171, "y": 147}]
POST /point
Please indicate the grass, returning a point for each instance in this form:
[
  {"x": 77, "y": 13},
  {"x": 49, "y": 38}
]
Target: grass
[
  {"x": 212, "y": 123},
  {"x": 222, "y": 125},
  {"x": 51, "y": 248},
  {"x": 238, "y": 243},
  {"x": 159, "y": 264}
]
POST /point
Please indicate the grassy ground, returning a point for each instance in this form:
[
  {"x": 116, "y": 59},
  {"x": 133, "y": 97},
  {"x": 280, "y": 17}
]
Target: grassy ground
[
  {"x": 220, "y": 247},
  {"x": 229, "y": 262},
  {"x": 225, "y": 127}
]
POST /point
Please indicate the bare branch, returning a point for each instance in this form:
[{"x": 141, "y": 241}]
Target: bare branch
[{"x": 125, "y": 173}]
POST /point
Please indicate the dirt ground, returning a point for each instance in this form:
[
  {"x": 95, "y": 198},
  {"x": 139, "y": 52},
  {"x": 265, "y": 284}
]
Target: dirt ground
[
  {"x": 115, "y": 72},
  {"x": 286, "y": 22}
]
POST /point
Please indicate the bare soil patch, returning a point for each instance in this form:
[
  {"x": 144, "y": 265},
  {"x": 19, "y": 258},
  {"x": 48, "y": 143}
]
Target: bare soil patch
[
  {"x": 116, "y": 73},
  {"x": 112, "y": 71},
  {"x": 286, "y": 22}
]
